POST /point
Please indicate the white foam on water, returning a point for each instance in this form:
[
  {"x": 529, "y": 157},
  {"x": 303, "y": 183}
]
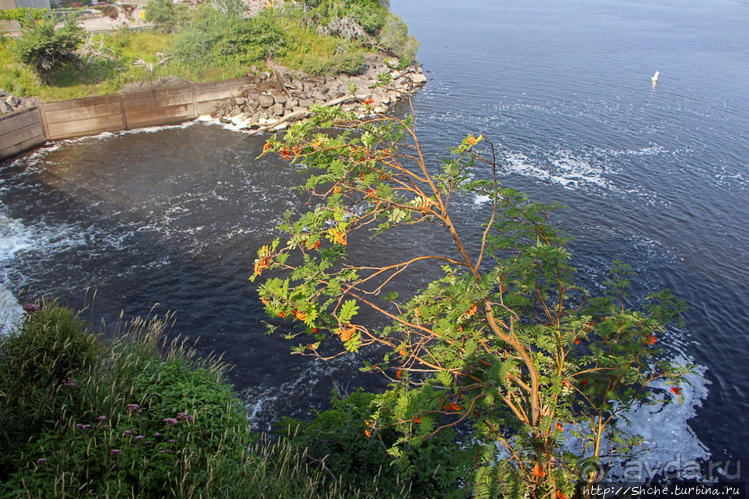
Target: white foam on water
[
  {"x": 564, "y": 167},
  {"x": 260, "y": 400},
  {"x": 574, "y": 170},
  {"x": 37, "y": 154},
  {"x": 14, "y": 237},
  {"x": 670, "y": 444},
  {"x": 479, "y": 199},
  {"x": 105, "y": 135},
  {"x": 18, "y": 239},
  {"x": 519, "y": 163},
  {"x": 154, "y": 129},
  {"x": 11, "y": 312},
  {"x": 654, "y": 150},
  {"x": 670, "y": 447},
  {"x": 234, "y": 125}
]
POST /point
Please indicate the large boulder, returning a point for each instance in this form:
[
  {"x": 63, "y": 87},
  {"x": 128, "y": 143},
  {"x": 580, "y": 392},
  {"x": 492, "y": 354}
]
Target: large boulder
[{"x": 265, "y": 100}]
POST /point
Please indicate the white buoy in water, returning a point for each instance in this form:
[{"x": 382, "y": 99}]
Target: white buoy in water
[{"x": 654, "y": 78}]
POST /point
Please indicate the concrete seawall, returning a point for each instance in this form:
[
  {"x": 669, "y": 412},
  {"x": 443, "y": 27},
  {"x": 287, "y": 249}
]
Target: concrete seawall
[
  {"x": 22, "y": 130},
  {"x": 260, "y": 102}
]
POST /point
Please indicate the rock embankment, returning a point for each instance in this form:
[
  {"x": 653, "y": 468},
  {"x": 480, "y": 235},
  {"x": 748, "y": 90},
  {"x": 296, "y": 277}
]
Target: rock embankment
[
  {"x": 272, "y": 100},
  {"x": 10, "y": 103}
]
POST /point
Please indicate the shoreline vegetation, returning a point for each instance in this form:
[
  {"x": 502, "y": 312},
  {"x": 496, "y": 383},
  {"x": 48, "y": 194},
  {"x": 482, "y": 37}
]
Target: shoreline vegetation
[
  {"x": 296, "y": 54},
  {"x": 142, "y": 415}
]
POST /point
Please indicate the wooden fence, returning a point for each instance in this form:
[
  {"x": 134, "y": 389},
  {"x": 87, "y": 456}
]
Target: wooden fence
[{"x": 109, "y": 113}]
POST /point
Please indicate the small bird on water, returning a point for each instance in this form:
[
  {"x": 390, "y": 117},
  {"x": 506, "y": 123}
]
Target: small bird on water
[{"x": 654, "y": 78}]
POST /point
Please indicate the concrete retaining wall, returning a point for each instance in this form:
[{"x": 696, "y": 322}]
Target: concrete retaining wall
[
  {"x": 109, "y": 113},
  {"x": 20, "y": 130}
]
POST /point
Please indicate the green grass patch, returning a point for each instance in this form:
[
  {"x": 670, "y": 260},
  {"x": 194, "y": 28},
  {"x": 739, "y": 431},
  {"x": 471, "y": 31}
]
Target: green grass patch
[
  {"x": 206, "y": 44},
  {"x": 314, "y": 54},
  {"x": 130, "y": 46},
  {"x": 94, "y": 76}
]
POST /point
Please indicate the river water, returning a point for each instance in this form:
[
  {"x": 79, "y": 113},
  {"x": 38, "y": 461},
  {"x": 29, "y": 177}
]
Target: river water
[{"x": 656, "y": 177}]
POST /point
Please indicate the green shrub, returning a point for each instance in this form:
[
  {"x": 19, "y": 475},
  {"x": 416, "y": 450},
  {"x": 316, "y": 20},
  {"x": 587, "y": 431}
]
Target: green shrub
[
  {"x": 214, "y": 38},
  {"x": 394, "y": 38},
  {"x": 134, "y": 424},
  {"x": 371, "y": 19},
  {"x": 39, "y": 366},
  {"x": 348, "y": 62},
  {"x": 351, "y": 63},
  {"x": 167, "y": 16},
  {"x": 140, "y": 417},
  {"x": 504, "y": 340},
  {"x": 48, "y": 49},
  {"x": 342, "y": 440}
]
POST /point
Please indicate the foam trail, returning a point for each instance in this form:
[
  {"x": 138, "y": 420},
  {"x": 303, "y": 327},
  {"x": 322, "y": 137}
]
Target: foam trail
[
  {"x": 11, "y": 312},
  {"x": 14, "y": 237},
  {"x": 669, "y": 446}
]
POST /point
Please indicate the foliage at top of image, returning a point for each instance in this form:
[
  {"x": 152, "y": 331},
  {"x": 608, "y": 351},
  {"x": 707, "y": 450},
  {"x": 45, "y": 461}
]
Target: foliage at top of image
[
  {"x": 224, "y": 37},
  {"x": 502, "y": 340},
  {"x": 368, "y": 21},
  {"x": 22, "y": 13},
  {"x": 167, "y": 16},
  {"x": 215, "y": 40}
]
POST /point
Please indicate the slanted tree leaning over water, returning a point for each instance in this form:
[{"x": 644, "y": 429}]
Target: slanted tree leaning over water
[{"x": 503, "y": 340}]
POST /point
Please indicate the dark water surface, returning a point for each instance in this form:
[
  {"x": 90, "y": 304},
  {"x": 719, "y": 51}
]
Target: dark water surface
[{"x": 656, "y": 177}]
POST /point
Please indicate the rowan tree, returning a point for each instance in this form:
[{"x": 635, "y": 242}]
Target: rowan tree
[{"x": 503, "y": 340}]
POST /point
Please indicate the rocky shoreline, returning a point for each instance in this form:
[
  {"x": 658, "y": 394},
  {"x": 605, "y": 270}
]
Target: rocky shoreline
[
  {"x": 275, "y": 99},
  {"x": 10, "y": 103},
  {"x": 271, "y": 100}
]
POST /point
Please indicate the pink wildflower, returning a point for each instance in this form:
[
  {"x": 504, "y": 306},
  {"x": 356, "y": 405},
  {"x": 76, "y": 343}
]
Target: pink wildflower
[
  {"x": 185, "y": 416},
  {"x": 30, "y": 308}
]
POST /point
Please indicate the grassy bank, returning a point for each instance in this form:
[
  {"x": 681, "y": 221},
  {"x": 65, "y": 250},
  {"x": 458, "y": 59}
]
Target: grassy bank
[
  {"x": 143, "y": 416},
  {"x": 135, "y": 417},
  {"x": 211, "y": 42}
]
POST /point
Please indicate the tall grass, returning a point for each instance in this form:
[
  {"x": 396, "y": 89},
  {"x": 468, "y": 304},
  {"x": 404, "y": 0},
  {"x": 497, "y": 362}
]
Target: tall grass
[{"x": 141, "y": 416}]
